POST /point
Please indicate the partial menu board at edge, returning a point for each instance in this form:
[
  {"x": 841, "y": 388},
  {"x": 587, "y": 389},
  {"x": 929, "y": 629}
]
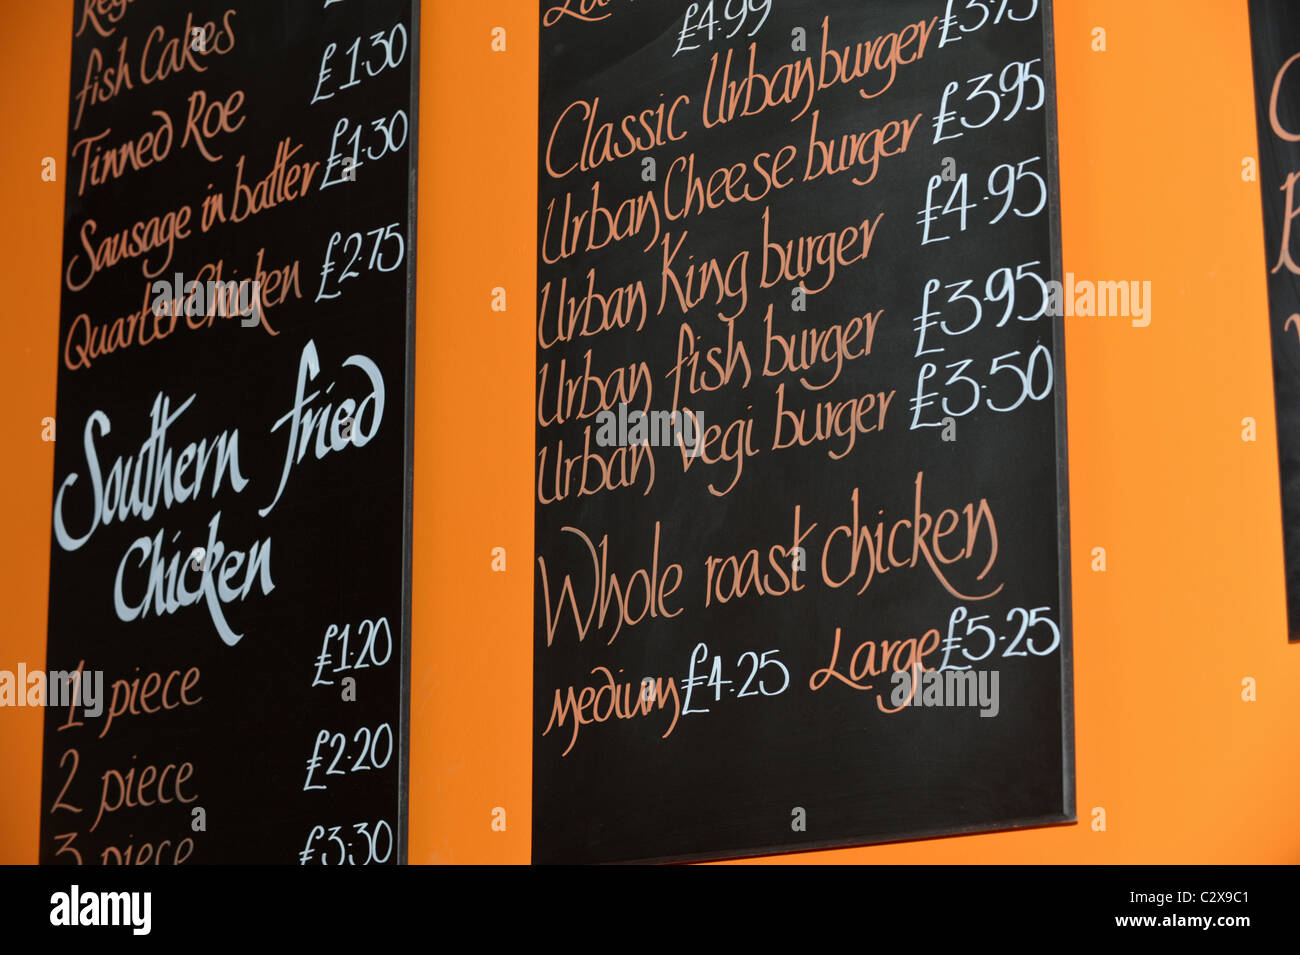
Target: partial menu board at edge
[
  {"x": 229, "y": 611},
  {"x": 1275, "y": 49}
]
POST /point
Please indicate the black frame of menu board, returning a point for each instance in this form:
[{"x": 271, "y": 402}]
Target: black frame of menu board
[
  {"x": 408, "y": 504},
  {"x": 546, "y": 849},
  {"x": 268, "y": 717}
]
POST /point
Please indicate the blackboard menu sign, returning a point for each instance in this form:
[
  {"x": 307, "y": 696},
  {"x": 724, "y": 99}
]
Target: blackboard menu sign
[
  {"x": 229, "y": 580},
  {"x": 1275, "y": 48},
  {"x": 801, "y": 564}
]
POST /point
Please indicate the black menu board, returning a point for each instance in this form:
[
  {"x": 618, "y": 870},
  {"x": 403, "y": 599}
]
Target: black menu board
[
  {"x": 801, "y": 509},
  {"x": 229, "y": 579},
  {"x": 1275, "y": 48}
]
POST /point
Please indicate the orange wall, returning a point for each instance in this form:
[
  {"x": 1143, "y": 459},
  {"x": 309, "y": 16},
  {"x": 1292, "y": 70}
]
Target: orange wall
[{"x": 1153, "y": 132}]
